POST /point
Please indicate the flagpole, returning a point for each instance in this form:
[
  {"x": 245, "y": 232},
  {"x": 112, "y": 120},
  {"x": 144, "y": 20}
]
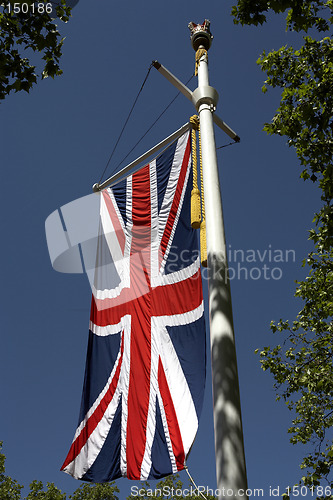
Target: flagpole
[{"x": 229, "y": 445}]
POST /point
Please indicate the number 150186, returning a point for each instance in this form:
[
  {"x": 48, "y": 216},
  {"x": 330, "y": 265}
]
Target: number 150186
[
  {"x": 34, "y": 8},
  {"x": 302, "y": 491}
]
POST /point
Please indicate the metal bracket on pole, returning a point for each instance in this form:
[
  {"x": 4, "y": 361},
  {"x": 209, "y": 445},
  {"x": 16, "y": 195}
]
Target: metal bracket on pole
[
  {"x": 129, "y": 168},
  {"x": 195, "y": 98}
]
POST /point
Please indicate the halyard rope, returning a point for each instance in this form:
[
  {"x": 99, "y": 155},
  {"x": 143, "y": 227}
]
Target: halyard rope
[
  {"x": 148, "y": 130},
  {"x": 192, "y": 481}
]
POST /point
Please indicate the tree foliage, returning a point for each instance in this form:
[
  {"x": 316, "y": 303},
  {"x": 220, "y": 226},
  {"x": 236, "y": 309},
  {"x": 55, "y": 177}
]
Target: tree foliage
[
  {"x": 301, "y": 14},
  {"x": 302, "y": 362},
  {"x": 105, "y": 491},
  {"x": 305, "y": 115},
  {"x": 170, "y": 488},
  {"x": 29, "y": 26},
  {"x": 9, "y": 488},
  {"x": 37, "y": 492}
]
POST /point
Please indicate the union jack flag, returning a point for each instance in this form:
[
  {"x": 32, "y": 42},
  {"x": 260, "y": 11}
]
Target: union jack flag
[{"x": 145, "y": 369}]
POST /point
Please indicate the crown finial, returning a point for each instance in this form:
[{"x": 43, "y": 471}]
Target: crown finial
[{"x": 200, "y": 35}]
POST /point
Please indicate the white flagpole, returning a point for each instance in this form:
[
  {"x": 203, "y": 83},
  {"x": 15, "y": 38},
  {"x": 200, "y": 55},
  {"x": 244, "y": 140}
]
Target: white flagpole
[{"x": 229, "y": 445}]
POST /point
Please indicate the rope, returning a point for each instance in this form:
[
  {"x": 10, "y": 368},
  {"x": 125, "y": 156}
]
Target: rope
[
  {"x": 192, "y": 481},
  {"x": 198, "y": 216},
  {"x": 201, "y": 178},
  {"x": 230, "y": 144},
  {"x": 198, "y": 55},
  {"x": 195, "y": 122},
  {"x": 151, "y": 126},
  {"x": 128, "y": 117},
  {"x": 195, "y": 194},
  {"x": 203, "y": 239}
]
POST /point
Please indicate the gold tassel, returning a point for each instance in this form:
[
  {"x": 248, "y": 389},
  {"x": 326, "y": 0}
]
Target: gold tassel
[
  {"x": 195, "y": 208},
  {"x": 198, "y": 55},
  {"x": 203, "y": 243},
  {"x": 195, "y": 194},
  {"x": 203, "y": 239}
]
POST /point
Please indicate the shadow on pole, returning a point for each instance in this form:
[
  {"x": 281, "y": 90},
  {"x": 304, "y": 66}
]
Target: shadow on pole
[{"x": 230, "y": 462}]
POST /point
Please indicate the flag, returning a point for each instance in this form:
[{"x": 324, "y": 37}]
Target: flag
[{"x": 145, "y": 369}]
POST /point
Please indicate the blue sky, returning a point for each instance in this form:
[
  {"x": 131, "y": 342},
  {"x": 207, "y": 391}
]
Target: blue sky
[{"x": 55, "y": 143}]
